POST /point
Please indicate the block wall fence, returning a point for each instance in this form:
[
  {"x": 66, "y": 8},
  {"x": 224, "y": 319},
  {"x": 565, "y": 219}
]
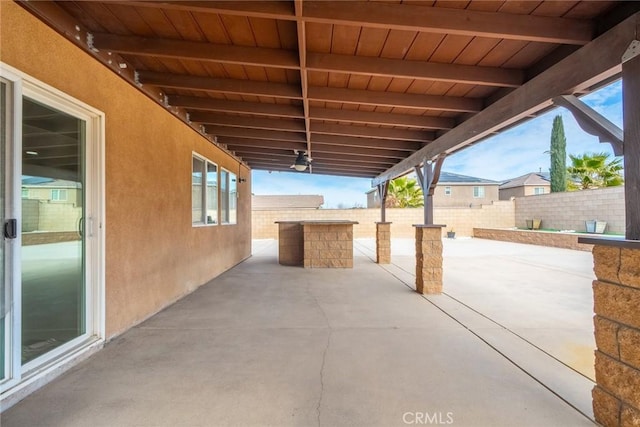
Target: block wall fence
[
  {"x": 562, "y": 211},
  {"x": 462, "y": 220},
  {"x": 569, "y": 211}
]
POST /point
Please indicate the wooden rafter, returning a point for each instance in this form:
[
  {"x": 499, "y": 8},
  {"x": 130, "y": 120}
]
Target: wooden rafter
[
  {"x": 209, "y": 84},
  {"x": 371, "y": 132},
  {"x": 403, "y": 17},
  {"x": 392, "y": 99},
  {"x": 248, "y": 122},
  {"x": 221, "y": 105},
  {"x": 350, "y": 141},
  {"x": 302, "y": 60},
  {"x": 421, "y": 70},
  {"x": 366, "y": 117},
  {"x": 277, "y": 135},
  {"x": 200, "y": 51}
]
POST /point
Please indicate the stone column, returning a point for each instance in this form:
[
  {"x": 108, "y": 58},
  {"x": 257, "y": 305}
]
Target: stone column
[
  {"x": 616, "y": 292},
  {"x": 429, "y": 259},
  {"x": 383, "y": 242}
]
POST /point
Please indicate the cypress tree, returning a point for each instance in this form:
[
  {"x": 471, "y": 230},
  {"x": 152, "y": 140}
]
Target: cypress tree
[{"x": 558, "y": 153}]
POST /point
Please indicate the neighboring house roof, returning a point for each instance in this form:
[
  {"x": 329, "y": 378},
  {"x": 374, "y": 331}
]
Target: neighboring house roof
[
  {"x": 276, "y": 202},
  {"x": 454, "y": 178},
  {"x": 528, "y": 179}
]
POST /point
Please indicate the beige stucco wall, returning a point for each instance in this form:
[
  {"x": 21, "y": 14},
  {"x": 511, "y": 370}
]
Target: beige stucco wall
[
  {"x": 462, "y": 195},
  {"x": 462, "y": 220},
  {"x": 569, "y": 211},
  {"x": 153, "y": 254},
  {"x": 523, "y": 190}
]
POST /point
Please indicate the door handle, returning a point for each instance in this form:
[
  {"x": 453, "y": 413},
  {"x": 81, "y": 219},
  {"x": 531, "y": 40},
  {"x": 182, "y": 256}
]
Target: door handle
[
  {"x": 11, "y": 228},
  {"x": 80, "y": 227}
]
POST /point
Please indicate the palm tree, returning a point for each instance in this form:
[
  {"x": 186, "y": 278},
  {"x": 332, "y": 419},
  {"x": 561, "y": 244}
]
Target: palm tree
[
  {"x": 404, "y": 193},
  {"x": 594, "y": 170}
]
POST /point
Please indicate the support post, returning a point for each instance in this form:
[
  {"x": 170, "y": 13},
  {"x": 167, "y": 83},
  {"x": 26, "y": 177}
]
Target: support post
[
  {"x": 428, "y": 258},
  {"x": 382, "y": 193},
  {"x": 631, "y": 113},
  {"x": 428, "y": 179}
]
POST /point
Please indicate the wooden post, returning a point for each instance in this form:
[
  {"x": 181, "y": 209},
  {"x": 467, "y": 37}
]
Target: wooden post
[
  {"x": 631, "y": 113},
  {"x": 382, "y": 193},
  {"x": 428, "y": 178}
]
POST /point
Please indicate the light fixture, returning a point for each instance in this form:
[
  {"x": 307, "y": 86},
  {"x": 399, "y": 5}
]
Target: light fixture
[
  {"x": 32, "y": 153},
  {"x": 301, "y": 162}
]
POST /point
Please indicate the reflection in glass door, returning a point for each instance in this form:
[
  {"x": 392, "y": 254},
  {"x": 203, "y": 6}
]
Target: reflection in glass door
[{"x": 53, "y": 242}]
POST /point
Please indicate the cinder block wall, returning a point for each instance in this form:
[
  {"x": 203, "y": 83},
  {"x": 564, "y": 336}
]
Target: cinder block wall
[
  {"x": 569, "y": 211},
  {"x": 462, "y": 220}
]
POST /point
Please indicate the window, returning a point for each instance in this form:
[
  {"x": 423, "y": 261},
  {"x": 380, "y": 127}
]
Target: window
[
  {"x": 25, "y": 193},
  {"x": 538, "y": 190},
  {"x": 59, "y": 195},
  {"x": 447, "y": 191},
  {"x": 204, "y": 191},
  {"x": 228, "y": 197},
  {"x": 478, "y": 192}
]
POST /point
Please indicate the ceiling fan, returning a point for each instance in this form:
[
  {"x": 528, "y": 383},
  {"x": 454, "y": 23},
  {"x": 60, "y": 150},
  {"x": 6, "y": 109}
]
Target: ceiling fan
[{"x": 301, "y": 162}]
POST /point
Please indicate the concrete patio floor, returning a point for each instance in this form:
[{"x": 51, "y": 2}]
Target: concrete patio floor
[{"x": 269, "y": 345}]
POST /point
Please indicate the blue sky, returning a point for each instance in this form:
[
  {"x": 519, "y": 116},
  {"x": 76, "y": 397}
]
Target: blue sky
[{"x": 507, "y": 155}]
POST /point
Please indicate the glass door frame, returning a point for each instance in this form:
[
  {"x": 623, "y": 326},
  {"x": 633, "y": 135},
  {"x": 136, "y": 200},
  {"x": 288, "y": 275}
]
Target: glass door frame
[
  {"x": 13, "y": 169},
  {"x": 25, "y": 85}
]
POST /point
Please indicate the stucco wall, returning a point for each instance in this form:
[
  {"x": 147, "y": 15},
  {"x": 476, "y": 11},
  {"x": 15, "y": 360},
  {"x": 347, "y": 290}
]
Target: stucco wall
[
  {"x": 462, "y": 220},
  {"x": 153, "y": 254},
  {"x": 462, "y": 195},
  {"x": 569, "y": 211}
]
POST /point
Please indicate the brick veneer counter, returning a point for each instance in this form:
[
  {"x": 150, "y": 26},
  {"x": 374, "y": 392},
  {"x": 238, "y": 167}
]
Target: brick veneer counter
[
  {"x": 316, "y": 244},
  {"x": 328, "y": 244}
]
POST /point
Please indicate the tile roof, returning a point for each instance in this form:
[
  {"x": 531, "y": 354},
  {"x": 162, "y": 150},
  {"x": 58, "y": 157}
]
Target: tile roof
[{"x": 528, "y": 179}]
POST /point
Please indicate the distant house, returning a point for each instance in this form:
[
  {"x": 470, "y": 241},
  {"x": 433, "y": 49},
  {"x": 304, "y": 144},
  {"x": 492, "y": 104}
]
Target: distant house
[
  {"x": 454, "y": 190},
  {"x": 530, "y": 184},
  {"x": 277, "y": 202}
]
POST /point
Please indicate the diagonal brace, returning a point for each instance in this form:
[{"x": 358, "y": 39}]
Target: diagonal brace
[{"x": 593, "y": 122}]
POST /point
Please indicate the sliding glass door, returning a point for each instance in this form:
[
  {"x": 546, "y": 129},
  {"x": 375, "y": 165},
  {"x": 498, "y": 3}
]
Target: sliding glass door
[
  {"x": 51, "y": 256},
  {"x": 53, "y": 237}
]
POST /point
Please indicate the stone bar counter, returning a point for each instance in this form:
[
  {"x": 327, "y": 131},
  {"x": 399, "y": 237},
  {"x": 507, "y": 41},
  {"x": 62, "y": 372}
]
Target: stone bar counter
[{"x": 316, "y": 244}]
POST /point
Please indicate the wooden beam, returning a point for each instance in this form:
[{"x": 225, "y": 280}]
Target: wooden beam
[
  {"x": 631, "y": 117},
  {"x": 451, "y": 21},
  {"x": 255, "y": 133},
  {"x": 319, "y": 171},
  {"x": 339, "y": 158},
  {"x": 210, "y": 84},
  {"x": 371, "y": 132},
  {"x": 351, "y": 141},
  {"x": 368, "y": 152},
  {"x": 422, "y": 70},
  {"x": 254, "y": 108},
  {"x": 198, "y": 51},
  {"x": 247, "y": 122},
  {"x": 254, "y": 9},
  {"x": 366, "y": 117},
  {"x": 304, "y": 80},
  {"x": 394, "y": 99},
  {"x": 576, "y": 72},
  {"x": 316, "y": 162},
  {"x": 233, "y": 142}
]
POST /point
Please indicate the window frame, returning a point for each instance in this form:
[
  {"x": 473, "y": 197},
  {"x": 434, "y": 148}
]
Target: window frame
[
  {"x": 448, "y": 191},
  {"x": 536, "y": 193},
  {"x": 204, "y": 217},
  {"x": 60, "y": 192},
  {"x": 478, "y": 192},
  {"x": 226, "y": 196}
]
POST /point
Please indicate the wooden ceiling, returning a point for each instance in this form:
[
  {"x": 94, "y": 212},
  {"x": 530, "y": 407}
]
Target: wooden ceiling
[{"x": 359, "y": 85}]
